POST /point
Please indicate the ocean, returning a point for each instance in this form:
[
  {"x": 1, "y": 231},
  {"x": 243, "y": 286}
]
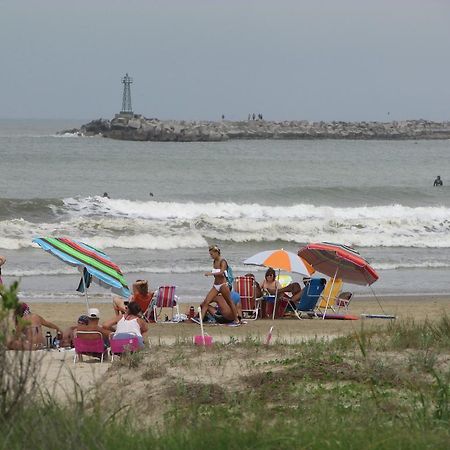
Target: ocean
[{"x": 169, "y": 201}]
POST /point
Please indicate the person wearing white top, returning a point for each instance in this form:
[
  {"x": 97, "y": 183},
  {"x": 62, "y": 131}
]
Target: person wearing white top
[{"x": 128, "y": 324}]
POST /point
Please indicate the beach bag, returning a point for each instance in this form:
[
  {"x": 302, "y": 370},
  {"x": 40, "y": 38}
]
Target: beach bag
[{"x": 229, "y": 276}]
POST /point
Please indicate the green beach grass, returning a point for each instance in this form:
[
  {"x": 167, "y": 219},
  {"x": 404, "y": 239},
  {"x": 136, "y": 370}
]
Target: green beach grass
[{"x": 385, "y": 389}]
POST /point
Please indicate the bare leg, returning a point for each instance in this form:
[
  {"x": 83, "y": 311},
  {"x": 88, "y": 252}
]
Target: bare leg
[
  {"x": 119, "y": 306},
  {"x": 226, "y": 294},
  {"x": 225, "y": 308},
  {"x": 212, "y": 294}
]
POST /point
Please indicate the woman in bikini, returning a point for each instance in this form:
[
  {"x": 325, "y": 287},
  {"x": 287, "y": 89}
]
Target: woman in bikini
[
  {"x": 220, "y": 286},
  {"x": 270, "y": 284},
  {"x": 28, "y": 335}
]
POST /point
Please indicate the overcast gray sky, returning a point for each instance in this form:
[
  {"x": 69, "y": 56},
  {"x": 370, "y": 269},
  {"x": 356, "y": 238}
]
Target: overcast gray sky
[{"x": 197, "y": 59}]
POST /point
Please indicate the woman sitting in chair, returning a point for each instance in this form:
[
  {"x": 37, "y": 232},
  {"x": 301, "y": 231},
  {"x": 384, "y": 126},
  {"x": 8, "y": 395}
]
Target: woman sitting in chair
[
  {"x": 141, "y": 295},
  {"x": 270, "y": 284},
  {"x": 128, "y": 324}
]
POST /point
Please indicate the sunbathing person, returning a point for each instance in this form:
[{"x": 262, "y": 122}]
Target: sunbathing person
[
  {"x": 270, "y": 284},
  {"x": 220, "y": 286},
  {"x": 141, "y": 295},
  {"x": 68, "y": 334},
  {"x": 128, "y": 324},
  {"x": 258, "y": 290},
  {"x": 28, "y": 334},
  {"x": 294, "y": 290},
  {"x": 221, "y": 312}
]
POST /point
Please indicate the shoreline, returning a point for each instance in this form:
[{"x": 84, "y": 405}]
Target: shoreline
[{"x": 105, "y": 299}]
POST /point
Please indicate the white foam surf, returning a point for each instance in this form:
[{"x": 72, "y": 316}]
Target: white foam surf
[{"x": 156, "y": 225}]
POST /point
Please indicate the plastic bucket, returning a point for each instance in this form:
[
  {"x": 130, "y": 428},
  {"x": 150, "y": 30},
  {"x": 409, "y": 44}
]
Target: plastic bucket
[{"x": 198, "y": 340}]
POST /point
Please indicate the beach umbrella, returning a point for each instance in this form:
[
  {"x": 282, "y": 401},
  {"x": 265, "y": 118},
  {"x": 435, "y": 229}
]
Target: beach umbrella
[
  {"x": 280, "y": 260},
  {"x": 339, "y": 261},
  {"x": 92, "y": 263}
]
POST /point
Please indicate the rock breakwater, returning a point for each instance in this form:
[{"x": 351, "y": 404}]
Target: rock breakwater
[{"x": 138, "y": 128}]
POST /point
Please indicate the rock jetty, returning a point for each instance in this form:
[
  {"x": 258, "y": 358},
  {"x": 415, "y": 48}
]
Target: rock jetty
[{"x": 138, "y": 128}]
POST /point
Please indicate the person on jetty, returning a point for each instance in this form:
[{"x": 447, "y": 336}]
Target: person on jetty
[
  {"x": 28, "y": 334},
  {"x": 220, "y": 286},
  {"x": 129, "y": 324},
  {"x": 2, "y": 261},
  {"x": 141, "y": 295},
  {"x": 438, "y": 181}
]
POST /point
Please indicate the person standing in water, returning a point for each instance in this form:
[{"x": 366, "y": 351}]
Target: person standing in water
[{"x": 438, "y": 181}]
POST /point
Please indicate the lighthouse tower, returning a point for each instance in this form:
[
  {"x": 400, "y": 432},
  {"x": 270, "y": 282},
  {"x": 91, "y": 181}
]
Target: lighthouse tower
[{"x": 126, "y": 97}]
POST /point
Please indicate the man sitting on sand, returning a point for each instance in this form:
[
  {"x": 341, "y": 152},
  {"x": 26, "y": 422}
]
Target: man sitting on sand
[
  {"x": 93, "y": 325},
  {"x": 88, "y": 322},
  {"x": 28, "y": 334}
]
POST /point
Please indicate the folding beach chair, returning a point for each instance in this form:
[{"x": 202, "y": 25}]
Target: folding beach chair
[
  {"x": 343, "y": 300},
  {"x": 165, "y": 298},
  {"x": 119, "y": 346},
  {"x": 330, "y": 294},
  {"x": 309, "y": 297},
  {"x": 246, "y": 288},
  {"x": 88, "y": 343}
]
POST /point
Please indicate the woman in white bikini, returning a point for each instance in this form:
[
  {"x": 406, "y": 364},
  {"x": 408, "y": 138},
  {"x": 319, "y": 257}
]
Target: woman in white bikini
[{"x": 220, "y": 286}]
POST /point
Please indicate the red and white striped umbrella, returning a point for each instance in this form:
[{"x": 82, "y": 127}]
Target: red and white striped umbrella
[{"x": 339, "y": 261}]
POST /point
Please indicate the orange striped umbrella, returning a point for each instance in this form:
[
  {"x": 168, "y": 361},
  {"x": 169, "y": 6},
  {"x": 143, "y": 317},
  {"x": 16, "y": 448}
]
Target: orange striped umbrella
[{"x": 281, "y": 260}]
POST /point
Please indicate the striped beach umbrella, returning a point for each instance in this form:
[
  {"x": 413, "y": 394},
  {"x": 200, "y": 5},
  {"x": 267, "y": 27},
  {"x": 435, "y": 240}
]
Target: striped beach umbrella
[
  {"x": 280, "y": 260},
  {"x": 93, "y": 263},
  {"x": 339, "y": 261}
]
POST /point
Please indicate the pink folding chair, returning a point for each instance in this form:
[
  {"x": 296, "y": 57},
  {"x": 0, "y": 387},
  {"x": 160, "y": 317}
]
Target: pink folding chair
[
  {"x": 123, "y": 345},
  {"x": 245, "y": 287},
  {"x": 165, "y": 298},
  {"x": 88, "y": 343}
]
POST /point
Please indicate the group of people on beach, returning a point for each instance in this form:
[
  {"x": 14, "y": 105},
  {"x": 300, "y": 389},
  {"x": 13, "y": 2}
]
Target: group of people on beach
[{"x": 131, "y": 316}]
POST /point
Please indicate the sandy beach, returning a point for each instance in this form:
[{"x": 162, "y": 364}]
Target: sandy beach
[
  {"x": 170, "y": 353},
  {"x": 289, "y": 330}
]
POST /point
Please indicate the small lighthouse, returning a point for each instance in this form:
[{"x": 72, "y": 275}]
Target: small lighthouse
[{"x": 126, "y": 97}]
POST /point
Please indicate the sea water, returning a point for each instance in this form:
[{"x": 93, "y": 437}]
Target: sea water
[{"x": 169, "y": 201}]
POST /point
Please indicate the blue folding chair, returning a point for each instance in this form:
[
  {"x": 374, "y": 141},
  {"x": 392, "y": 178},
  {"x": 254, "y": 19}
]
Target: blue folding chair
[{"x": 310, "y": 297}]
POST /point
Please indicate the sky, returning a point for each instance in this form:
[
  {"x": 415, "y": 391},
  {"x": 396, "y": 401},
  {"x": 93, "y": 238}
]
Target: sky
[{"x": 349, "y": 60}]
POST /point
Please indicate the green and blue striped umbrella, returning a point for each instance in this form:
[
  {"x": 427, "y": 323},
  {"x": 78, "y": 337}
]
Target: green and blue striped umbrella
[{"x": 93, "y": 263}]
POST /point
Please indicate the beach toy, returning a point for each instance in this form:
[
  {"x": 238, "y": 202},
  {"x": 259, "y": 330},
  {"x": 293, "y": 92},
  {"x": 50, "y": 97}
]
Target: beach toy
[
  {"x": 206, "y": 340},
  {"x": 203, "y": 339}
]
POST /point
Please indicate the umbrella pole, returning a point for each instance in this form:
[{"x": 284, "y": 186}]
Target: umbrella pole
[
  {"x": 329, "y": 294},
  {"x": 85, "y": 292},
  {"x": 276, "y": 294}
]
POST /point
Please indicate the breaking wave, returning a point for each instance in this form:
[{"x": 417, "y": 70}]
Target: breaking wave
[{"x": 153, "y": 225}]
